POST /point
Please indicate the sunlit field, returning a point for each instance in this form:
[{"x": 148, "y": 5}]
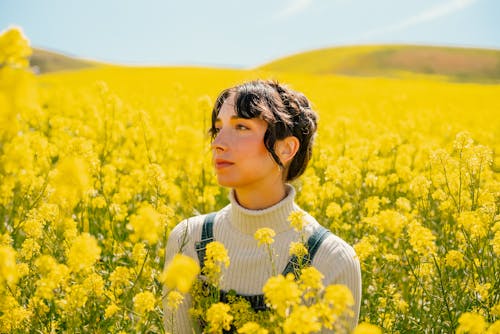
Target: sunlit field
[{"x": 98, "y": 165}]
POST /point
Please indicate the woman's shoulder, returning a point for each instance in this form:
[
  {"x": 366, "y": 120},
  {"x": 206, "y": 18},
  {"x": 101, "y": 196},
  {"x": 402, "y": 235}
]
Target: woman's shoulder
[
  {"x": 188, "y": 225},
  {"x": 334, "y": 252}
]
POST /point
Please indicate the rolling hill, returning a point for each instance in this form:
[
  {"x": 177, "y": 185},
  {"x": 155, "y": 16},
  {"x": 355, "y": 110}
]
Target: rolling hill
[
  {"x": 397, "y": 61},
  {"x": 44, "y": 61},
  {"x": 453, "y": 63}
]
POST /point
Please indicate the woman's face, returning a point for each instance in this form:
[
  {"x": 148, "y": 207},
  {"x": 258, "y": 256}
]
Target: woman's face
[{"x": 240, "y": 157}]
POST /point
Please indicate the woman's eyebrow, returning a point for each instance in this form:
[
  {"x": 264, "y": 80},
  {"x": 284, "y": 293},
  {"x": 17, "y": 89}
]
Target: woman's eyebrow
[{"x": 234, "y": 117}]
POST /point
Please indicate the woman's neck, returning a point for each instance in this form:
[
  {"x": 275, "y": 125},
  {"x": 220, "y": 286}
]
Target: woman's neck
[{"x": 262, "y": 198}]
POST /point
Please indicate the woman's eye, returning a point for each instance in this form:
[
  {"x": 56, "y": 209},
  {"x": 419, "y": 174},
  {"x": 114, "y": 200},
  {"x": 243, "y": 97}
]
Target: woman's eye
[
  {"x": 215, "y": 131},
  {"x": 241, "y": 127}
]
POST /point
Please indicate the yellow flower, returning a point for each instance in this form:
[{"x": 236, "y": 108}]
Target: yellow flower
[
  {"x": 494, "y": 328},
  {"x": 252, "y": 328},
  {"x": 29, "y": 248},
  {"x": 111, "y": 310},
  {"x": 454, "y": 259},
  {"x": 218, "y": 318},
  {"x": 495, "y": 310},
  {"x": 298, "y": 249},
  {"x": 403, "y": 204},
  {"x": 8, "y": 270},
  {"x": 77, "y": 297},
  {"x": 84, "y": 252},
  {"x": 310, "y": 280},
  {"x": 139, "y": 252},
  {"x": 420, "y": 186},
  {"x": 33, "y": 227},
  {"x": 333, "y": 210},
  {"x": 483, "y": 291},
  {"x": 471, "y": 323},
  {"x": 119, "y": 277},
  {"x": 174, "y": 299},
  {"x": 421, "y": 239},
  {"x": 71, "y": 181},
  {"x": 281, "y": 293},
  {"x": 94, "y": 283},
  {"x": 264, "y": 236},
  {"x": 372, "y": 205},
  {"x": 339, "y": 298},
  {"x": 371, "y": 180},
  {"x": 296, "y": 219},
  {"x": 366, "y": 247},
  {"x": 366, "y": 328},
  {"x": 496, "y": 243},
  {"x": 215, "y": 257},
  {"x": 180, "y": 273},
  {"x": 14, "y": 48},
  {"x": 144, "y": 302},
  {"x": 146, "y": 224},
  {"x": 13, "y": 316},
  {"x": 302, "y": 320},
  {"x": 472, "y": 223}
]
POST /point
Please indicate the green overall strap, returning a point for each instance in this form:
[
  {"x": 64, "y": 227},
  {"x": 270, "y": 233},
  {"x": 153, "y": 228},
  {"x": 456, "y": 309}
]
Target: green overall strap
[
  {"x": 207, "y": 236},
  {"x": 313, "y": 244}
]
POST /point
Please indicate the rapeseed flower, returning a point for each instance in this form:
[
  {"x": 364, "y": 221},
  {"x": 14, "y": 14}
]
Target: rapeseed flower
[
  {"x": 298, "y": 249},
  {"x": 339, "y": 298},
  {"x": 296, "y": 219},
  {"x": 14, "y": 48},
  {"x": 252, "y": 328},
  {"x": 366, "y": 328},
  {"x": 144, "y": 302},
  {"x": 218, "y": 318},
  {"x": 180, "y": 273},
  {"x": 83, "y": 253},
  {"x": 311, "y": 282},
  {"x": 494, "y": 328},
  {"x": 174, "y": 299},
  {"x": 264, "y": 236},
  {"x": 472, "y": 223},
  {"x": 12, "y": 315},
  {"x": 421, "y": 239},
  {"x": 334, "y": 210},
  {"x": 302, "y": 320},
  {"x": 281, "y": 293},
  {"x": 111, "y": 310},
  {"x": 454, "y": 259},
  {"x": 146, "y": 224},
  {"x": 215, "y": 258},
  {"x": 8, "y": 270},
  {"x": 471, "y": 323}
]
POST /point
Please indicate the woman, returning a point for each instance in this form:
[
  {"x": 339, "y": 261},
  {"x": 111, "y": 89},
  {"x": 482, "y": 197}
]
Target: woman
[{"x": 262, "y": 137}]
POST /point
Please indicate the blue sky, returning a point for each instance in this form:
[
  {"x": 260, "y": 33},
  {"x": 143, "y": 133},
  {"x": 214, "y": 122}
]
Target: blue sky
[{"x": 245, "y": 34}]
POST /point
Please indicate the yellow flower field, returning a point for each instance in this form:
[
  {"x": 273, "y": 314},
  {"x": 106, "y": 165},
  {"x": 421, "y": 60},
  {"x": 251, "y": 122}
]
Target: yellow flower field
[{"x": 98, "y": 165}]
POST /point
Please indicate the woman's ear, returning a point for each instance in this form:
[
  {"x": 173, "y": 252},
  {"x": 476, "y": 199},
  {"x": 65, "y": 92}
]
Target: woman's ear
[{"x": 287, "y": 148}]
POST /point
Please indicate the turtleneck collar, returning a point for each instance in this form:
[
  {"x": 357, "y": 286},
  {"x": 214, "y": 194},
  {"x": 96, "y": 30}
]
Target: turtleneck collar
[{"x": 275, "y": 217}]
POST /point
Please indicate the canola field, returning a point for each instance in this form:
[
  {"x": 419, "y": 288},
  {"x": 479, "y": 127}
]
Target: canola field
[{"x": 98, "y": 165}]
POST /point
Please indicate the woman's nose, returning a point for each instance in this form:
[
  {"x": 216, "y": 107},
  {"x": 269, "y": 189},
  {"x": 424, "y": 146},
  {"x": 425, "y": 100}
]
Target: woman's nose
[{"x": 219, "y": 143}]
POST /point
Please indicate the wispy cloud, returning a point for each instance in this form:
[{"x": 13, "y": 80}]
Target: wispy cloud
[
  {"x": 295, "y": 7},
  {"x": 435, "y": 12}
]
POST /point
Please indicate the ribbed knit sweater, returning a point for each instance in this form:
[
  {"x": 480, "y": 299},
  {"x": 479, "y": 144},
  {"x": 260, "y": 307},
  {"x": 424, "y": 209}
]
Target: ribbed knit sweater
[{"x": 250, "y": 267}]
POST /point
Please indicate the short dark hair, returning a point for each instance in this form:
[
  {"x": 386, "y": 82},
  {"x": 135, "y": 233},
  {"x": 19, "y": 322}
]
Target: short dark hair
[{"x": 286, "y": 111}]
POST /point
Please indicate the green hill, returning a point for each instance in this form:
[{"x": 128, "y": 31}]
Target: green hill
[
  {"x": 44, "y": 61},
  {"x": 456, "y": 64},
  {"x": 450, "y": 63}
]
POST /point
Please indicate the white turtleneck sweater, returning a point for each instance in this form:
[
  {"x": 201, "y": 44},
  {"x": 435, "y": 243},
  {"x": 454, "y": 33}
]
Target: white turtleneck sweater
[{"x": 250, "y": 267}]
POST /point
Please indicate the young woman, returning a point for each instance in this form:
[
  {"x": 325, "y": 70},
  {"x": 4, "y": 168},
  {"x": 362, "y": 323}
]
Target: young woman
[{"x": 262, "y": 137}]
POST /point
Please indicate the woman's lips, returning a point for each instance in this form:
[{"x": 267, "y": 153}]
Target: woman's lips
[{"x": 220, "y": 163}]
